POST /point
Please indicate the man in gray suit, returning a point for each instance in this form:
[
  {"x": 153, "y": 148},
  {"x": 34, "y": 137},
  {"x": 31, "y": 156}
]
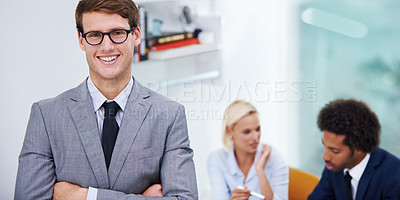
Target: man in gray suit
[{"x": 65, "y": 153}]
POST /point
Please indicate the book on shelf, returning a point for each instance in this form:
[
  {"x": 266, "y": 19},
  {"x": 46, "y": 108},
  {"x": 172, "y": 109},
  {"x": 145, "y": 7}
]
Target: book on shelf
[
  {"x": 143, "y": 49},
  {"x": 177, "y": 44},
  {"x": 169, "y": 37}
]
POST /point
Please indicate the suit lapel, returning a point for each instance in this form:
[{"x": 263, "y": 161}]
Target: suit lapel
[
  {"x": 338, "y": 183},
  {"x": 367, "y": 174},
  {"x": 82, "y": 113},
  {"x": 135, "y": 112}
]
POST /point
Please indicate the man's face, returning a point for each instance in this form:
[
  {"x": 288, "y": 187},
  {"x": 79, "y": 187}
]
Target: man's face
[
  {"x": 108, "y": 60},
  {"x": 338, "y": 156}
]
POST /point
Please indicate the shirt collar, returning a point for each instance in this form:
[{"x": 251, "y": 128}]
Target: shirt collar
[
  {"x": 357, "y": 171},
  {"x": 98, "y": 98},
  {"x": 234, "y": 167}
]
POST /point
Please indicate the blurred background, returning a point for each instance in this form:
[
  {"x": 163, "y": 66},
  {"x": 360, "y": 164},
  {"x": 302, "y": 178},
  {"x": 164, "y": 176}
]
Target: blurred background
[{"x": 288, "y": 58}]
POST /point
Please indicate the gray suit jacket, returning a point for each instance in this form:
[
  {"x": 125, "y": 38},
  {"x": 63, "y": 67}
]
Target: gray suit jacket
[{"x": 62, "y": 143}]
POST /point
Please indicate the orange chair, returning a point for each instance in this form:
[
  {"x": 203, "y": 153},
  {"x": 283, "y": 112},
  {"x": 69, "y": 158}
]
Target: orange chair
[{"x": 301, "y": 184}]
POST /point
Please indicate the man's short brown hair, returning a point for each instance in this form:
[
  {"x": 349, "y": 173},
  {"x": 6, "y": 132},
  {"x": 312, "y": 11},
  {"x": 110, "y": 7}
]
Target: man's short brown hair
[
  {"x": 355, "y": 120},
  {"x": 125, "y": 8}
]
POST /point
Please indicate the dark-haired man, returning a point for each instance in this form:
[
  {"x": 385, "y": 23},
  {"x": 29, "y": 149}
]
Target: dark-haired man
[
  {"x": 110, "y": 137},
  {"x": 355, "y": 167}
]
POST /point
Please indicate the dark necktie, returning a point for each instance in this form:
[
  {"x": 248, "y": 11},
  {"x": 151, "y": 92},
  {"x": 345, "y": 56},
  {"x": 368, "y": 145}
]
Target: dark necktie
[
  {"x": 110, "y": 130},
  {"x": 347, "y": 182}
]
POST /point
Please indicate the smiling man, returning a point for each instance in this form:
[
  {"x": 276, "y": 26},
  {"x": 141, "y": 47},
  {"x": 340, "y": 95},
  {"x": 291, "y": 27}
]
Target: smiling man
[
  {"x": 355, "y": 167},
  {"x": 110, "y": 137}
]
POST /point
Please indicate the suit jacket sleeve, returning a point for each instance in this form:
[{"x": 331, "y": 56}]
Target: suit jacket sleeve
[
  {"x": 390, "y": 186},
  {"x": 177, "y": 172},
  {"x": 324, "y": 188},
  {"x": 35, "y": 177}
]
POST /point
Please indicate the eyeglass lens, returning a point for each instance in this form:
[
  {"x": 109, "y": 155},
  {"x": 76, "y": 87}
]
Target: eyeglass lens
[{"x": 96, "y": 37}]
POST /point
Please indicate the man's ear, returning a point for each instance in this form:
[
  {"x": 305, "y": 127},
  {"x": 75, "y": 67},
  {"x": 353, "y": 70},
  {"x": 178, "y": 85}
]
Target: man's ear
[
  {"x": 359, "y": 153},
  {"x": 81, "y": 41},
  {"x": 137, "y": 36}
]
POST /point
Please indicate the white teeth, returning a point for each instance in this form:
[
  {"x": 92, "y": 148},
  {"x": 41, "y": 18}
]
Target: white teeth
[{"x": 108, "y": 59}]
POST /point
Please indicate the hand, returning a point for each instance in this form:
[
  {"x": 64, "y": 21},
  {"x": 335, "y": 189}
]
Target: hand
[
  {"x": 153, "y": 191},
  {"x": 240, "y": 194},
  {"x": 263, "y": 158},
  {"x": 65, "y": 190}
]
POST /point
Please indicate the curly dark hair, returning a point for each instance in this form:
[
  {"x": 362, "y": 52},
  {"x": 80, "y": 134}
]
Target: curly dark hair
[{"x": 353, "y": 119}]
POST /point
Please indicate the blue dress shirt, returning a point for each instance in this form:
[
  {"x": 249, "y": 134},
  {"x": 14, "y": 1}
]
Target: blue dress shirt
[{"x": 225, "y": 175}]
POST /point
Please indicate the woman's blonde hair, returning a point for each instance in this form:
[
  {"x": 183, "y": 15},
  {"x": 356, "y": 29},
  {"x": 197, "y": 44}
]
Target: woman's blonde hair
[{"x": 233, "y": 113}]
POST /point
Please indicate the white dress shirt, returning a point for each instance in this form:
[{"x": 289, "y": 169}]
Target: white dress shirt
[
  {"x": 356, "y": 173},
  {"x": 225, "y": 175},
  {"x": 98, "y": 99}
]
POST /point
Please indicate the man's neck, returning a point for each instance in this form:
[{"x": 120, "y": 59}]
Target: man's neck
[
  {"x": 111, "y": 88},
  {"x": 360, "y": 157}
]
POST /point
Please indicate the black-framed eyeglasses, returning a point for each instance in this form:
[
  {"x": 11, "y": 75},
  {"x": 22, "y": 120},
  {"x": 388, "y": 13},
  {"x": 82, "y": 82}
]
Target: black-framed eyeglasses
[{"x": 117, "y": 36}]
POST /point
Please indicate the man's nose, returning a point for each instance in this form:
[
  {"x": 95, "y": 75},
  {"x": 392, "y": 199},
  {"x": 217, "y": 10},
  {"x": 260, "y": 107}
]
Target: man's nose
[
  {"x": 325, "y": 157},
  {"x": 107, "y": 44}
]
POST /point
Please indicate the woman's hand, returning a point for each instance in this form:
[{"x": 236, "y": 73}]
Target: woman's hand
[
  {"x": 240, "y": 194},
  {"x": 263, "y": 158}
]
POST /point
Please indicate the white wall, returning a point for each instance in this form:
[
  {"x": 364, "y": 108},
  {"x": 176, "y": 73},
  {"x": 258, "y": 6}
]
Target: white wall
[
  {"x": 255, "y": 51},
  {"x": 41, "y": 58}
]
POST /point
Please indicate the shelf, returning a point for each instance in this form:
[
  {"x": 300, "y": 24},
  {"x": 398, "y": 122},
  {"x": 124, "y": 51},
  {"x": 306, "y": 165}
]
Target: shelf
[
  {"x": 172, "y": 72},
  {"x": 182, "y": 51},
  {"x": 186, "y": 64}
]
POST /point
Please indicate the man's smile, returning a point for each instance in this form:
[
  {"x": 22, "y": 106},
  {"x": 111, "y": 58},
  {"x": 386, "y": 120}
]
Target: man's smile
[{"x": 107, "y": 58}]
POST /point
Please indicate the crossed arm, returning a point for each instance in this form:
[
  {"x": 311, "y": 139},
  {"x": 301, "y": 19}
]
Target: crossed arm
[
  {"x": 66, "y": 191},
  {"x": 36, "y": 176}
]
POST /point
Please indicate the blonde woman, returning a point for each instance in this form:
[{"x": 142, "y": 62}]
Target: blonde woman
[{"x": 245, "y": 166}]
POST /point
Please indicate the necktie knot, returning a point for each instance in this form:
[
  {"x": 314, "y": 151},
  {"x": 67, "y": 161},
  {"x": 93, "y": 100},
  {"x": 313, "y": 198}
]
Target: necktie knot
[
  {"x": 111, "y": 109},
  {"x": 347, "y": 177}
]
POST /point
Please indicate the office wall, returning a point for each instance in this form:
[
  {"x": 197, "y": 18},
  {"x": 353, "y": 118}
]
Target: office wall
[
  {"x": 358, "y": 58},
  {"x": 255, "y": 68},
  {"x": 41, "y": 58}
]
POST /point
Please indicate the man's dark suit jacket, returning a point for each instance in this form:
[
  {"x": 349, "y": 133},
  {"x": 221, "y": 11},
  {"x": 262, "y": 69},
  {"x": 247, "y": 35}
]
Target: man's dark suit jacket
[{"x": 379, "y": 180}]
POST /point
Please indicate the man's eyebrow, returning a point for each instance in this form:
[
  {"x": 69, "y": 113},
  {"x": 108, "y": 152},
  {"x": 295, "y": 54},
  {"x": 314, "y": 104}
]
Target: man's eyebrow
[
  {"x": 333, "y": 148},
  {"x": 108, "y": 30}
]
